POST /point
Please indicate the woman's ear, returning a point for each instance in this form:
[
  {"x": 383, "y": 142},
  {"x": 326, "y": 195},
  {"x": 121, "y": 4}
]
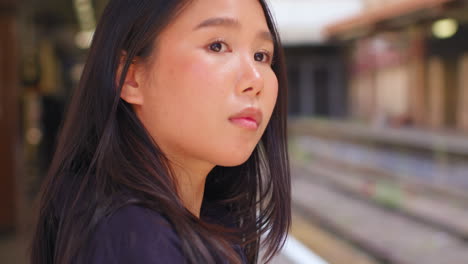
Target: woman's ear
[{"x": 132, "y": 87}]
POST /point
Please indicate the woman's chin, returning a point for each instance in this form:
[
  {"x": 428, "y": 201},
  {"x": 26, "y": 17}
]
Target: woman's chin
[{"x": 234, "y": 159}]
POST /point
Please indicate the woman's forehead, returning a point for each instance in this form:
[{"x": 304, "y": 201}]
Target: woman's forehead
[{"x": 244, "y": 14}]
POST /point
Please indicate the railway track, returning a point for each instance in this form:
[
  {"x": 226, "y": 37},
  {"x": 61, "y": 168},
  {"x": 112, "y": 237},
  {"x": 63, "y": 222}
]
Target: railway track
[
  {"x": 387, "y": 219},
  {"x": 443, "y": 209},
  {"x": 382, "y": 234}
]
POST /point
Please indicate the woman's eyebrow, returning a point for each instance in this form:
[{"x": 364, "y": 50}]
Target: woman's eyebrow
[
  {"x": 219, "y": 21},
  {"x": 231, "y": 22}
]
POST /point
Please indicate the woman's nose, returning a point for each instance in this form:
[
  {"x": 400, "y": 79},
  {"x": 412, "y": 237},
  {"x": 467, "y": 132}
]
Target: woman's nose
[{"x": 251, "y": 79}]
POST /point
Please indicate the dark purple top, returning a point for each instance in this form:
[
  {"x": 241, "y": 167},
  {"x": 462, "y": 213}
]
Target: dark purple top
[{"x": 134, "y": 234}]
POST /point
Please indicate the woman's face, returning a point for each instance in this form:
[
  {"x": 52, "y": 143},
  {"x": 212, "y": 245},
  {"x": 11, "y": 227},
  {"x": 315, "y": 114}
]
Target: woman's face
[{"x": 209, "y": 89}]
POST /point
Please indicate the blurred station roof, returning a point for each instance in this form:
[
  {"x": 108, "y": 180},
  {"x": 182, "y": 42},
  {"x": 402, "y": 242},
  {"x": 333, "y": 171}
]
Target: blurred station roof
[
  {"x": 303, "y": 21},
  {"x": 391, "y": 16}
]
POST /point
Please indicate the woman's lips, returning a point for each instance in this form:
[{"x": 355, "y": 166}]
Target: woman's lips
[
  {"x": 245, "y": 122},
  {"x": 249, "y": 118}
]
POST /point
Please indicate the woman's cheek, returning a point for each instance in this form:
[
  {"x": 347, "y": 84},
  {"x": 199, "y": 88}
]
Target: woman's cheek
[
  {"x": 212, "y": 76},
  {"x": 271, "y": 88}
]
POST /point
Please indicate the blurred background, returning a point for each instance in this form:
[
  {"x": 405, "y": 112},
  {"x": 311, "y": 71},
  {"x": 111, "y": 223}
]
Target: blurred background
[{"x": 378, "y": 122}]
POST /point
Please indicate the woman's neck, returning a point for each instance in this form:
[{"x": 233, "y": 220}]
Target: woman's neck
[{"x": 191, "y": 178}]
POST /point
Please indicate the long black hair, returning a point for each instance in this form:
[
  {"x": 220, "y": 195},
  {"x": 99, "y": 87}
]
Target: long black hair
[{"x": 106, "y": 159}]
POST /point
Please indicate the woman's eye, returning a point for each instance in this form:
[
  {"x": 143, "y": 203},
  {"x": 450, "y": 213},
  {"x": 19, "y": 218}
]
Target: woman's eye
[
  {"x": 217, "y": 46},
  {"x": 262, "y": 57}
]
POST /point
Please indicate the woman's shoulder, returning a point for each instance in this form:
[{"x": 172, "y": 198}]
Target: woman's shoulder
[
  {"x": 137, "y": 217},
  {"x": 134, "y": 234}
]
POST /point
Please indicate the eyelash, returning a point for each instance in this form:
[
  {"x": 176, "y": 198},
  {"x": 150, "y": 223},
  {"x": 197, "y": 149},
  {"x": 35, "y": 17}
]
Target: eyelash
[{"x": 223, "y": 42}]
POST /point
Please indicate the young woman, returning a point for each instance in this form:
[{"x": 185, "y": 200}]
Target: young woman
[{"x": 174, "y": 147}]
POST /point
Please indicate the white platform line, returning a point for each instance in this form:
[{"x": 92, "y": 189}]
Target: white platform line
[{"x": 300, "y": 254}]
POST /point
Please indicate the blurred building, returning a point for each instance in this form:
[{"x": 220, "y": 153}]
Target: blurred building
[
  {"x": 316, "y": 68},
  {"x": 401, "y": 96},
  {"x": 407, "y": 62},
  {"x": 9, "y": 111},
  {"x": 42, "y": 52}
]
